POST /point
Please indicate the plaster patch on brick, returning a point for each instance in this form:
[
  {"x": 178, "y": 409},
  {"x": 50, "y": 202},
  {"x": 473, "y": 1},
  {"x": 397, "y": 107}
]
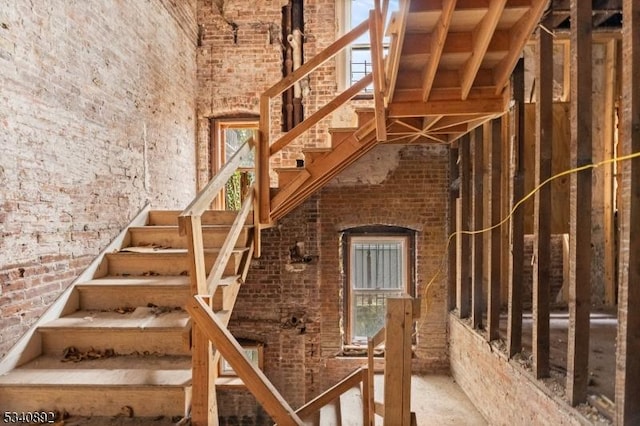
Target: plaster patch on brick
[{"x": 372, "y": 169}]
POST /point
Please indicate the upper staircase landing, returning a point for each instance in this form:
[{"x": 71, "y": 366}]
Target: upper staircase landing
[{"x": 450, "y": 63}]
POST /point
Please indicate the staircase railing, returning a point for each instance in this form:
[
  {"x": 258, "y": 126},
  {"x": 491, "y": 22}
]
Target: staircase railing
[{"x": 265, "y": 149}]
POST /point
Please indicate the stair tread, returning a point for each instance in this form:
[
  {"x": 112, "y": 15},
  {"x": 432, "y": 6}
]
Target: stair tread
[
  {"x": 140, "y": 318},
  {"x": 317, "y": 149},
  {"x": 342, "y": 129},
  {"x": 166, "y": 251},
  {"x": 155, "y": 280},
  {"x": 205, "y": 227},
  {"x": 288, "y": 169},
  {"x": 98, "y": 377}
]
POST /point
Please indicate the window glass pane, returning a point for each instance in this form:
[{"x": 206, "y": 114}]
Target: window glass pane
[{"x": 234, "y": 138}]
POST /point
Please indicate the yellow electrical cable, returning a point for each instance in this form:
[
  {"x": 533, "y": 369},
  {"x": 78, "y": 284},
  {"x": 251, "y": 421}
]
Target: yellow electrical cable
[{"x": 518, "y": 204}]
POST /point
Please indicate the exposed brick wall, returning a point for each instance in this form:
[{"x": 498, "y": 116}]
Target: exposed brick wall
[
  {"x": 97, "y": 117},
  {"x": 502, "y": 392},
  {"x": 406, "y": 187},
  {"x": 556, "y": 269}
]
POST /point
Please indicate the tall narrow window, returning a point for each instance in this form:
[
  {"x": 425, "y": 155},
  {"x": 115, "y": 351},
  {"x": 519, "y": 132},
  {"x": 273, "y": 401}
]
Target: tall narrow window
[
  {"x": 229, "y": 134},
  {"x": 378, "y": 266}
]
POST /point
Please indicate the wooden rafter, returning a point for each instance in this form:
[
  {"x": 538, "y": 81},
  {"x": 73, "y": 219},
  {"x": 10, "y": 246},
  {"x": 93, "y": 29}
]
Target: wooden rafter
[
  {"x": 436, "y": 46},
  {"x": 520, "y": 33},
  {"x": 482, "y": 36},
  {"x": 379, "y": 83},
  {"x": 393, "y": 61}
]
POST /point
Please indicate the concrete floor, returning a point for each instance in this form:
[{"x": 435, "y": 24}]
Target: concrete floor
[{"x": 437, "y": 400}]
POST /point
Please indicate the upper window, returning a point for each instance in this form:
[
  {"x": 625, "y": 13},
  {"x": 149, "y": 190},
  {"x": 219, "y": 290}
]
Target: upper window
[
  {"x": 358, "y": 56},
  {"x": 379, "y": 264}
]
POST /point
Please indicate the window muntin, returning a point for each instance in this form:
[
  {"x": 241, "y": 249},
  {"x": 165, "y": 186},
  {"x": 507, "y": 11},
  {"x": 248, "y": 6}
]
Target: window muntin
[{"x": 378, "y": 267}]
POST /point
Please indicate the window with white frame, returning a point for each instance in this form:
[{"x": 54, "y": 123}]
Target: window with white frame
[
  {"x": 253, "y": 352},
  {"x": 357, "y": 60},
  {"x": 378, "y": 265}
]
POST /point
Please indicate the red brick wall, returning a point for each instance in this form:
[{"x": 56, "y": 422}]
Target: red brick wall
[
  {"x": 502, "y": 392},
  {"x": 97, "y": 117},
  {"x": 406, "y": 186}
]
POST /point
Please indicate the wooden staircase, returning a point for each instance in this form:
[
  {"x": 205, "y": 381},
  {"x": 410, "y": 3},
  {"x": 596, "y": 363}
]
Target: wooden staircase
[{"x": 123, "y": 339}]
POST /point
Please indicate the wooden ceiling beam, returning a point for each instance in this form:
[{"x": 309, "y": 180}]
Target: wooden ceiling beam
[
  {"x": 494, "y": 105},
  {"x": 434, "y": 6},
  {"x": 520, "y": 33},
  {"x": 482, "y": 36},
  {"x": 457, "y": 42},
  {"x": 438, "y": 39},
  {"x": 399, "y": 21}
]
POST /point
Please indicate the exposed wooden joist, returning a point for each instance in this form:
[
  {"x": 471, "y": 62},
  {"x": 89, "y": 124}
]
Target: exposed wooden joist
[
  {"x": 493, "y": 296},
  {"x": 628, "y": 347},
  {"x": 458, "y": 42},
  {"x": 464, "y": 267},
  {"x": 399, "y": 20},
  {"x": 482, "y": 36},
  {"x": 477, "y": 239},
  {"x": 437, "y": 43},
  {"x": 516, "y": 258},
  {"x": 542, "y": 206},
  {"x": 520, "y": 33},
  {"x": 435, "y": 6},
  {"x": 580, "y": 203},
  {"x": 452, "y": 107}
]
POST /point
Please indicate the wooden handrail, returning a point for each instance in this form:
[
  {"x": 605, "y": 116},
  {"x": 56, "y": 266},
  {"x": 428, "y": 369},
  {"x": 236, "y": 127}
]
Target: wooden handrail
[
  {"x": 337, "y": 102},
  {"x": 204, "y": 198},
  {"x": 254, "y": 379},
  {"x": 332, "y": 393},
  {"x": 309, "y": 66}
]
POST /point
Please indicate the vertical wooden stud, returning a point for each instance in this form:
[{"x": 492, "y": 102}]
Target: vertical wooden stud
[
  {"x": 609, "y": 152},
  {"x": 477, "y": 239},
  {"x": 493, "y": 308},
  {"x": 516, "y": 261},
  {"x": 453, "y": 196},
  {"x": 204, "y": 408},
  {"x": 627, "y": 361},
  {"x": 580, "y": 204},
  {"x": 464, "y": 271},
  {"x": 397, "y": 372}
]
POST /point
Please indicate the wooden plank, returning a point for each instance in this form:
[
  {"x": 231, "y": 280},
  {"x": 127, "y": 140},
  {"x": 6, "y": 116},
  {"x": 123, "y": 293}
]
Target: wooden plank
[
  {"x": 226, "y": 250},
  {"x": 516, "y": 259},
  {"x": 254, "y": 379},
  {"x": 437, "y": 43},
  {"x": 321, "y": 113},
  {"x": 379, "y": 83},
  {"x": 494, "y": 105},
  {"x": 368, "y": 413},
  {"x": 520, "y": 34},
  {"x": 482, "y": 36},
  {"x": 454, "y": 177},
  {"x": 493, "y": 293},
  {"x": 197, "y": 268},
  {"x": 398, "y": 20},
  {"x": 397, "y": 358},
  {"x": 628, "y": 347},
  {"x": 319, "y": 59},
  {"x": 609, "y": 226},
  {"x": 505, "y": 207},
  {"x": 263, "y": 154},
  {"x": 204, "y": 406},
  {"x": 464, "y": 286},
  {"x": 542, "y": 206},
  {"x": 330, "y": 394},
  {"x": 580, "y": 204},
  {"x": 477, "y": 225}
]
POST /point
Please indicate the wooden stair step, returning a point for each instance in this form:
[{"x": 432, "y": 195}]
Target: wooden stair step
[
  {"x": 364, "y": 115},
  {"x": 210, "y": 217},
  {"x": 127, "y": 292},
  {"x": 169, "y": 236},
  {"x": 312, "y": 154},
  {"x": 287, "y": 174},
  {"x": 226, "y": 292},
  {"x": 148, "y": 261},
  {"x": 351, "y": 408},
  {"x": 150, "y": 385},
  {"x": 339, "y": 134},
  {"x": 153, "y": 330}
]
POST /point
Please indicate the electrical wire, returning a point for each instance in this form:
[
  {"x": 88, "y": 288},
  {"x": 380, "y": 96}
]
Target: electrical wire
[{"x": 516, "y": 206}]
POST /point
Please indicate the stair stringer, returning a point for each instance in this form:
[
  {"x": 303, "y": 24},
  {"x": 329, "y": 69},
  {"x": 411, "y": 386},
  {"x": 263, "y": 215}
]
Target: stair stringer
[
  {"x": 343, "y": 155},
  {"x": 28, "y": 346}
]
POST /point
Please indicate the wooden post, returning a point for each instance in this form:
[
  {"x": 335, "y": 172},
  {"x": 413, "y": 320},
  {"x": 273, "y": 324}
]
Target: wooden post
[
  {"x": 464, "y": 271},
  {"x": 493, "y": 308},
  {"x": 609, "y": 152},
  {"x": 263, "y": 154},
  {"x": 542, "y": 205},
  {"x": 516, "y": 260},
  {"x": 627, "y": 361},
  {"x": 397, "y": 358},
  {"x": 580, "y": 204},
  {"x": 453, "y": 196},
  {"x": 477, "y": 240},
  {"x": 204, "y": 406},
  {"x": 195, "y": 246}
]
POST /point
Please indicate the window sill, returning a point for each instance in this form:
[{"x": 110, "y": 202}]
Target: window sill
[{"x": 230, "y": 382}]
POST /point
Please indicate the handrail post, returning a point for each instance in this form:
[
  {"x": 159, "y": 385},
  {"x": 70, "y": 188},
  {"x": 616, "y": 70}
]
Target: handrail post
[
  {"x": 367, "y": 398},
  {"x": 192, "y": 226},
  {"x": 262, "y": 161}
]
